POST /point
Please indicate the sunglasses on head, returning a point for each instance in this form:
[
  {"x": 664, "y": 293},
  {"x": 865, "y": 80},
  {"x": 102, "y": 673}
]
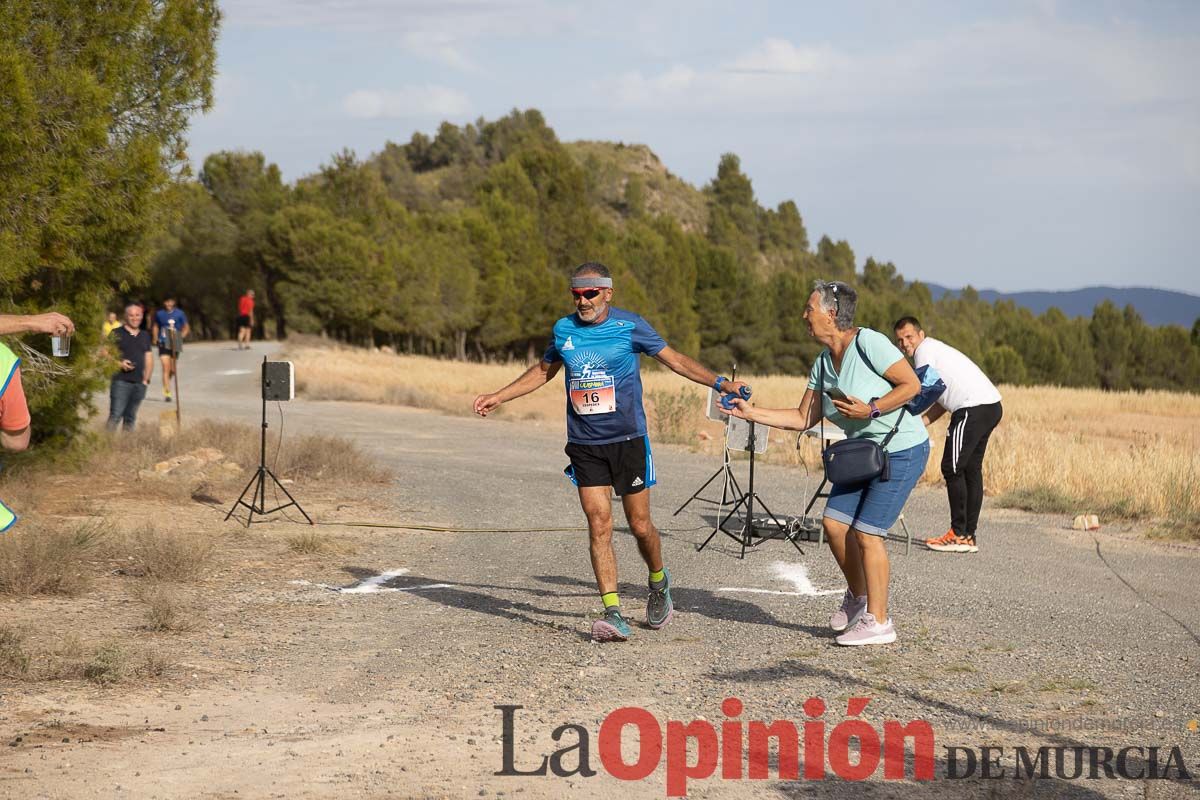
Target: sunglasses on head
[
  {"x": 587, "y": 294},
  {"x": 837, "y": 304}
]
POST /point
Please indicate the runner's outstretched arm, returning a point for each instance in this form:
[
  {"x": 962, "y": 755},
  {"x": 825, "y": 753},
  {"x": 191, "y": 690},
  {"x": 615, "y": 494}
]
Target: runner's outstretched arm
[
  {"x": 533, "y": 378},
  {"x": 693, "y": 370}
]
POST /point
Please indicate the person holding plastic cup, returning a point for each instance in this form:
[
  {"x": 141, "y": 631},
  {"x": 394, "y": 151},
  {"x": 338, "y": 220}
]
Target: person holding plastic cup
[
  {"x": 16, "y": 426},
  {"x": 51, "y": 323}
]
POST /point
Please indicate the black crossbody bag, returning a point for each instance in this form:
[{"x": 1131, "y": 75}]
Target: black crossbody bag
[{"x": 854, "y": 461}]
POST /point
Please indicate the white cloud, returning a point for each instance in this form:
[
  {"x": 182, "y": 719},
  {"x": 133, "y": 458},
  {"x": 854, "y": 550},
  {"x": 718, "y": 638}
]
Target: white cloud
[
  {"x": 473, "y": 17},
  {"x": 441, "y": 47},
  {"x": 1029, "y": 60},
  {"x": 439, "y": 31},
  {"x": 772, "y": 75},
  {"x": 635, "y": 89},
  {"x": 1033, "y": 96},
  {"x": 407, "y": 101},
  {"x": 779, "y": 56}
]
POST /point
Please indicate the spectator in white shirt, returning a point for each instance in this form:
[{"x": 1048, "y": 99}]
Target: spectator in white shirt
[{"x": 974, "y": 405}]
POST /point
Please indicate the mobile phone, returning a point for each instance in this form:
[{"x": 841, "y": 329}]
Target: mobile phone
[{"x": 836, "y": 393}]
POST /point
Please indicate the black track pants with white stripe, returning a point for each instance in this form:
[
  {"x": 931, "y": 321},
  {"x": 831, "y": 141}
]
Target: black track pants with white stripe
[{"x": 962, "y": 463}]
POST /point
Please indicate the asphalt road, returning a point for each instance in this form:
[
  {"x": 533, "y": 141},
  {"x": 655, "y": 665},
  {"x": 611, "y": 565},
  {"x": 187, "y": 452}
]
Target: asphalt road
[{"x": 1046, "y": 637}]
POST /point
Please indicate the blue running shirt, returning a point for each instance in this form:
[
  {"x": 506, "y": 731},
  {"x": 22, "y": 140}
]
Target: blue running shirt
[
  {"x": 604, "y": 384},
  {"x": 163, "y": 318}
]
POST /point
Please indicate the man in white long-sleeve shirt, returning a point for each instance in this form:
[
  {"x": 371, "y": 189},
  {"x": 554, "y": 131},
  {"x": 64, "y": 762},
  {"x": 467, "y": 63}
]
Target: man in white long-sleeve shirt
[{"x": 974, "y": 405}]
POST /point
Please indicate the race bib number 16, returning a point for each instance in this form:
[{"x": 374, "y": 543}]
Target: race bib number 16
[{"x": 596, "y": 395}]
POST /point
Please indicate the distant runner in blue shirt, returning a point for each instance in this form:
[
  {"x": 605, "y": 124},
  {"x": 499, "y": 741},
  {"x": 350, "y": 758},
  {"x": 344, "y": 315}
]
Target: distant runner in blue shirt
[
  {"x": 606, "y": 430},
  {"x": 169, "y": 330}
]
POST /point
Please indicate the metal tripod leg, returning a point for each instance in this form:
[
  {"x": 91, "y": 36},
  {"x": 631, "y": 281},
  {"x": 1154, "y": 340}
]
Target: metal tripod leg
[
  {"x": 291, "y": 500},
  {"x": 720, "y": 527},
  {"x": 790, "y": 537},
  {"x": 729, "y": 479},
  {"x": 241, "y": 498},
  {"x": 258, "y": 500}
]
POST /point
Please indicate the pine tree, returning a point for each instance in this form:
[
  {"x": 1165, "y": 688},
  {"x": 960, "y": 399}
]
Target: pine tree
[{"x": 95, "y": 103}]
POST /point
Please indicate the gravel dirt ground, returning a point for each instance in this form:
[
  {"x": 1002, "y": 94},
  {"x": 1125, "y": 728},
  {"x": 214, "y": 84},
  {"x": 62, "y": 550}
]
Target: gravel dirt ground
[{"x": 1046, "y": 637}]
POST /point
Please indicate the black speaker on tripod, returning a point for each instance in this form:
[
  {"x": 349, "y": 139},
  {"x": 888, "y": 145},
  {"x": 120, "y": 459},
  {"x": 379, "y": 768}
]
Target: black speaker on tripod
[
  {"x": 278, "y": 380},
  {"x": 278, "y": 384}
]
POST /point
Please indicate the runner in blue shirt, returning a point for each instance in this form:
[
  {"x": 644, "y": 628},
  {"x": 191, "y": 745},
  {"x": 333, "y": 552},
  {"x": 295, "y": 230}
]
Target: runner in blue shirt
[
  {"x": 600, "y": 345},
  {"x": 169, "y": 330}
]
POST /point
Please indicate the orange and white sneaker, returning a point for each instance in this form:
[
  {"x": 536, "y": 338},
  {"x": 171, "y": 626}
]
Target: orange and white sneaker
[
  {"x": 950, "y": 542},
  {"x": 943, "y": 542}
]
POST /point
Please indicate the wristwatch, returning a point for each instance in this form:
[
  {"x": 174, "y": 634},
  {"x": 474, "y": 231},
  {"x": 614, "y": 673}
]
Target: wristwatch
[{"x": 875, "y": 412}]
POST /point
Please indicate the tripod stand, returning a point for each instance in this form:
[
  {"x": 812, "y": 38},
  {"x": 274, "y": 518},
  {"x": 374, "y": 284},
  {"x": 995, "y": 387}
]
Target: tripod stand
[
  {"x": 745, "y": 536},
  {"x": 258, "y": 500},
  {"x": 728, "y": 480}
]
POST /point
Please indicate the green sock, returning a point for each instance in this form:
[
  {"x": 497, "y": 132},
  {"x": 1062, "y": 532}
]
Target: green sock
[
  {"x": 610, "y": 600},
  {"x": 657, "y": 577}
]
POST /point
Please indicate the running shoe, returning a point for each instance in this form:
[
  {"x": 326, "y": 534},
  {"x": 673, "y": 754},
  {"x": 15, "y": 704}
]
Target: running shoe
[
  {"x": 951, "y": 542},
  {"x": 942, "y": 541},
  {"x": 868, "y": 631},
  {"x": 659, "y": 608},
  {"x": 612, "y": 627},
  {"x": 848, "y": 613},
  {"x": 167, "y": 396}
]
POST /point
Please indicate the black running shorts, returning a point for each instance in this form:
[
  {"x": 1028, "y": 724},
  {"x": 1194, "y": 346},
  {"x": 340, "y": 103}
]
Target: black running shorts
[{"x": 628, "y": 467}]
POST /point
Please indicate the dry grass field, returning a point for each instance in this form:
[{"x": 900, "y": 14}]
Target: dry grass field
[
  {"x": 1119, "y": 455},
  {"x": 142, "y": 553}
]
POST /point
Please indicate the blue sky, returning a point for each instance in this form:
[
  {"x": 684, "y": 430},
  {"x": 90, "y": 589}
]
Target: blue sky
[{"x": 1021, "y": 145}]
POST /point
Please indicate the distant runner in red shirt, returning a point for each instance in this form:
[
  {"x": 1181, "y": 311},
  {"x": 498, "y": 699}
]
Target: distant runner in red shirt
[{"x": 245, "y": 319}]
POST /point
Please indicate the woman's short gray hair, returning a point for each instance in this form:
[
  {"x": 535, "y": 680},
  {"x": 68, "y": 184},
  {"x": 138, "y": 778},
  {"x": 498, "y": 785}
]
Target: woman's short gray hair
[{"x": 841, "y": 299}]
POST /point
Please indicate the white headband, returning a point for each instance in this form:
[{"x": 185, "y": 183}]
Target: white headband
[{"x": 590, "y": 282}]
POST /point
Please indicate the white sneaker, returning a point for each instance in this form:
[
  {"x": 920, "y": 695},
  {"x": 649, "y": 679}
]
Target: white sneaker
[
  {"x": 848, "y": 613},
  {"x": 868, "y": 631}
]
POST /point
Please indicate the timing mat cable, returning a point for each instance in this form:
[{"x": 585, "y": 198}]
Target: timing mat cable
[
  {"x": 1142, "y": 596},
  {"x": 444, "y": 529},
  {"x": 449, "y": 529}
]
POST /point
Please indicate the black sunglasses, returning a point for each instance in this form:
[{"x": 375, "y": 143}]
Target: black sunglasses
[{"x": 587, "y": 294}]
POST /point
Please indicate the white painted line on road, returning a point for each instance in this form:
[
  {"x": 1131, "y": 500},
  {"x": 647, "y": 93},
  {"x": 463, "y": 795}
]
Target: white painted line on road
[
  {"x": 234, "y": 372},
  {"x": 746, "y": 590},
  {"x": 795, "y": 574},
  {"x": 374, "y": 584}
]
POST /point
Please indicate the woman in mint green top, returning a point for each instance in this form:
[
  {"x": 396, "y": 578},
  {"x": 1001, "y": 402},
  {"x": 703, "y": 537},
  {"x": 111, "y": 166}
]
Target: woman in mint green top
[
  {"x": 877, "y": 382},
  {"x": 858, "y": 378}
]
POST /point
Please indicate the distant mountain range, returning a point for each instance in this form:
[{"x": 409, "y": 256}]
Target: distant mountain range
[{"x": 1157, "y": 306}]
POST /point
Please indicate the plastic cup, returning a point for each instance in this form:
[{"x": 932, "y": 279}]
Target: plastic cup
[{"x": 61, "y": 345}]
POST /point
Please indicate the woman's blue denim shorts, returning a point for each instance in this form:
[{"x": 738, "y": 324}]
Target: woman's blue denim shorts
[{"x": 874, "y": 507}]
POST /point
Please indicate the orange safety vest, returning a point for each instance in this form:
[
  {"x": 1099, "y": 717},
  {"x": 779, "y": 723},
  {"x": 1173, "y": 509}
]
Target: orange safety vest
[{"x": 8, "y": 366}]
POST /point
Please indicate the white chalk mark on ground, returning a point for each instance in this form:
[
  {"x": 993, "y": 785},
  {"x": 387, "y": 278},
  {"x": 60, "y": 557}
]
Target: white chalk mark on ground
[
  {"x": 795, "y": 574},
  {"x": 374, "y": 584},
  {"x": 234, "y": 372}
]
